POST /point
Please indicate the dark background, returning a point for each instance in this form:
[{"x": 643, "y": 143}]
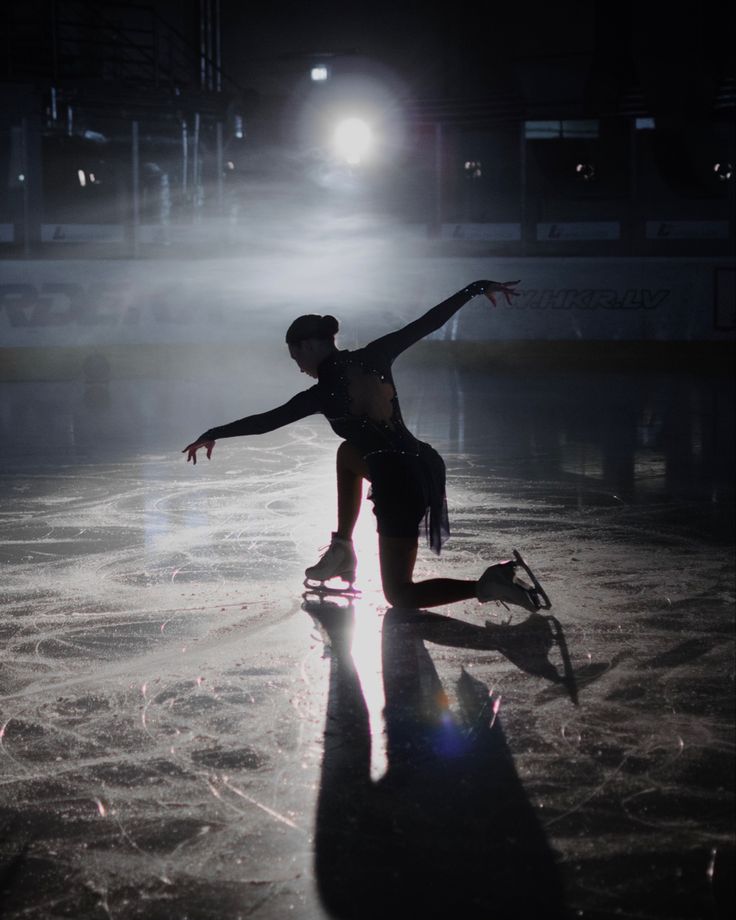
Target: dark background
[{"x": 447, "y": 87}]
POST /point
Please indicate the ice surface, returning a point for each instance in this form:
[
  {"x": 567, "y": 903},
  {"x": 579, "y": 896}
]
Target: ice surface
[{"x": 183, "y": 734}]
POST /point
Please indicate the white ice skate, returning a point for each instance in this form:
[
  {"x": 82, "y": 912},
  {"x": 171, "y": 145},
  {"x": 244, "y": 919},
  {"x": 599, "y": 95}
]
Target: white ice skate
[
  {"x": 338, "y": 561},
  {"x": 502, "y": 582}
]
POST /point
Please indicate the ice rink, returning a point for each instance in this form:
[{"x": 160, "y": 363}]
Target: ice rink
[{"x": 186, "y": 733}]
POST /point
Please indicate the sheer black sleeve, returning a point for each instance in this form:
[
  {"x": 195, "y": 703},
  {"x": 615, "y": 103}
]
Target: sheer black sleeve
[
  {"x": 396, "y": 342},
  {"x": 299, "y": 406}
]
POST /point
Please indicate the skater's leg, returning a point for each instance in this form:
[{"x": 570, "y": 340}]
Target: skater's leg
[
  {"x": 340, "y": 559},
  {"x": 398, "y": 555},
  {"x": 351, "y": 471}
]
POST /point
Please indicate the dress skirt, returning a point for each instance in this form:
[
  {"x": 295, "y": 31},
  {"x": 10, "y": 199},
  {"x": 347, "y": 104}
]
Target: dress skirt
[{"x": 408, "y": 493}]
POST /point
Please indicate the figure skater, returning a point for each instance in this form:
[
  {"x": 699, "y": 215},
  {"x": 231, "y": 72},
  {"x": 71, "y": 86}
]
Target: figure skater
[{"x": 355, "y": 392}]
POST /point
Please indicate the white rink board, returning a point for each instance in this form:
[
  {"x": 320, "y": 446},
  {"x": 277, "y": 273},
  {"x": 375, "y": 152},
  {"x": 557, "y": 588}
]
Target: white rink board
[{"x": 371, "y": 289}]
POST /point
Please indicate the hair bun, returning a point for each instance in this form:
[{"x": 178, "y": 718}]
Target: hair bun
[
  {"x": 329, "y": 325},
  {"x": 311, "y": 326}
]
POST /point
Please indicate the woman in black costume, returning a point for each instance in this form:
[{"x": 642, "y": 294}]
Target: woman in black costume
[{"x": 355, "y": 391}]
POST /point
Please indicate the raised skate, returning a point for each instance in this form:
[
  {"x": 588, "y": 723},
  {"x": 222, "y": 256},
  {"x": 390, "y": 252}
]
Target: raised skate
[
  {"x": 502, "y": 582},
  {"x": 544, "y": 603},
  {"x": 338, "y": 561}
]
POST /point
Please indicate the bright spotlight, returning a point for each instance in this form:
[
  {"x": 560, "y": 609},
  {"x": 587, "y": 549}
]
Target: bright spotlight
[
  {"x": 82, "y": 177},
  {"x": 319, "y": 73},
  {"x": 353, "y": 139}
]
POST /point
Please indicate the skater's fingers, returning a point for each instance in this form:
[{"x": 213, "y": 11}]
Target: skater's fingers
[
  {"x": 490, "y": 296},
  {"x": 191, "y": 450}
]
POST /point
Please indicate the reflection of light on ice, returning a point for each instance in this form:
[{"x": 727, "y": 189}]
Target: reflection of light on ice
[
  {"x": 366, "y": 641},
  {"x": 496, "y": 706},
  {"x": 367, "y": 636},
  {"x": 367, "y": 658}
]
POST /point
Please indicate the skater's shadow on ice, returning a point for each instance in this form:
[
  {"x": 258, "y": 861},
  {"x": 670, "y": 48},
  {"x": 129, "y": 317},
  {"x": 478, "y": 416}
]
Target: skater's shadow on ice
[
  {"x": 528, "y": 644},
  {"x": 448, "y": 829}
]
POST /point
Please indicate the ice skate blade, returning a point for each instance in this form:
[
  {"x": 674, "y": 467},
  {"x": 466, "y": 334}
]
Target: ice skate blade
[
  {"x": 319, "y": 587},
  {"x": 539, "y": 595}
]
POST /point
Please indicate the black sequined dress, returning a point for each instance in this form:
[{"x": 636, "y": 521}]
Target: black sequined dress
[{"x": 355, "y": 392}]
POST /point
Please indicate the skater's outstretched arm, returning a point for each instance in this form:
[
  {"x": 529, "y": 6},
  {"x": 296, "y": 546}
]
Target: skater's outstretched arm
[
  {"x": 396, "y": 342},
  {"x": 299, "y": 406}
]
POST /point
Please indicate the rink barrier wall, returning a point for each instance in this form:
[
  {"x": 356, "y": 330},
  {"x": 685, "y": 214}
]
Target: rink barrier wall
[
  {"x": 54, "y": 314},
  {"x": 205, "y": 230},
  {"x": 182, "y": 362}
]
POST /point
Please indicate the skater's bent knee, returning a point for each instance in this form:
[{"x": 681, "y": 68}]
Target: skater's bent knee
[{"x": 399, "y": 595}]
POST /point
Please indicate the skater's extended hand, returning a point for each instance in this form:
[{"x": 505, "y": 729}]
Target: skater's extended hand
[
  {"x": 191, "y": 450},
  {"x": 501, "y": 287}
]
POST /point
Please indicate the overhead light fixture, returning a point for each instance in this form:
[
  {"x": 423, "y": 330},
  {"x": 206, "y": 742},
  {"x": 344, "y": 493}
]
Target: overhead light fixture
[
  {"x": 319, "y": 73},
  {"x": 585, "y": 171},
  {"x": 82, "y": 177}
]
